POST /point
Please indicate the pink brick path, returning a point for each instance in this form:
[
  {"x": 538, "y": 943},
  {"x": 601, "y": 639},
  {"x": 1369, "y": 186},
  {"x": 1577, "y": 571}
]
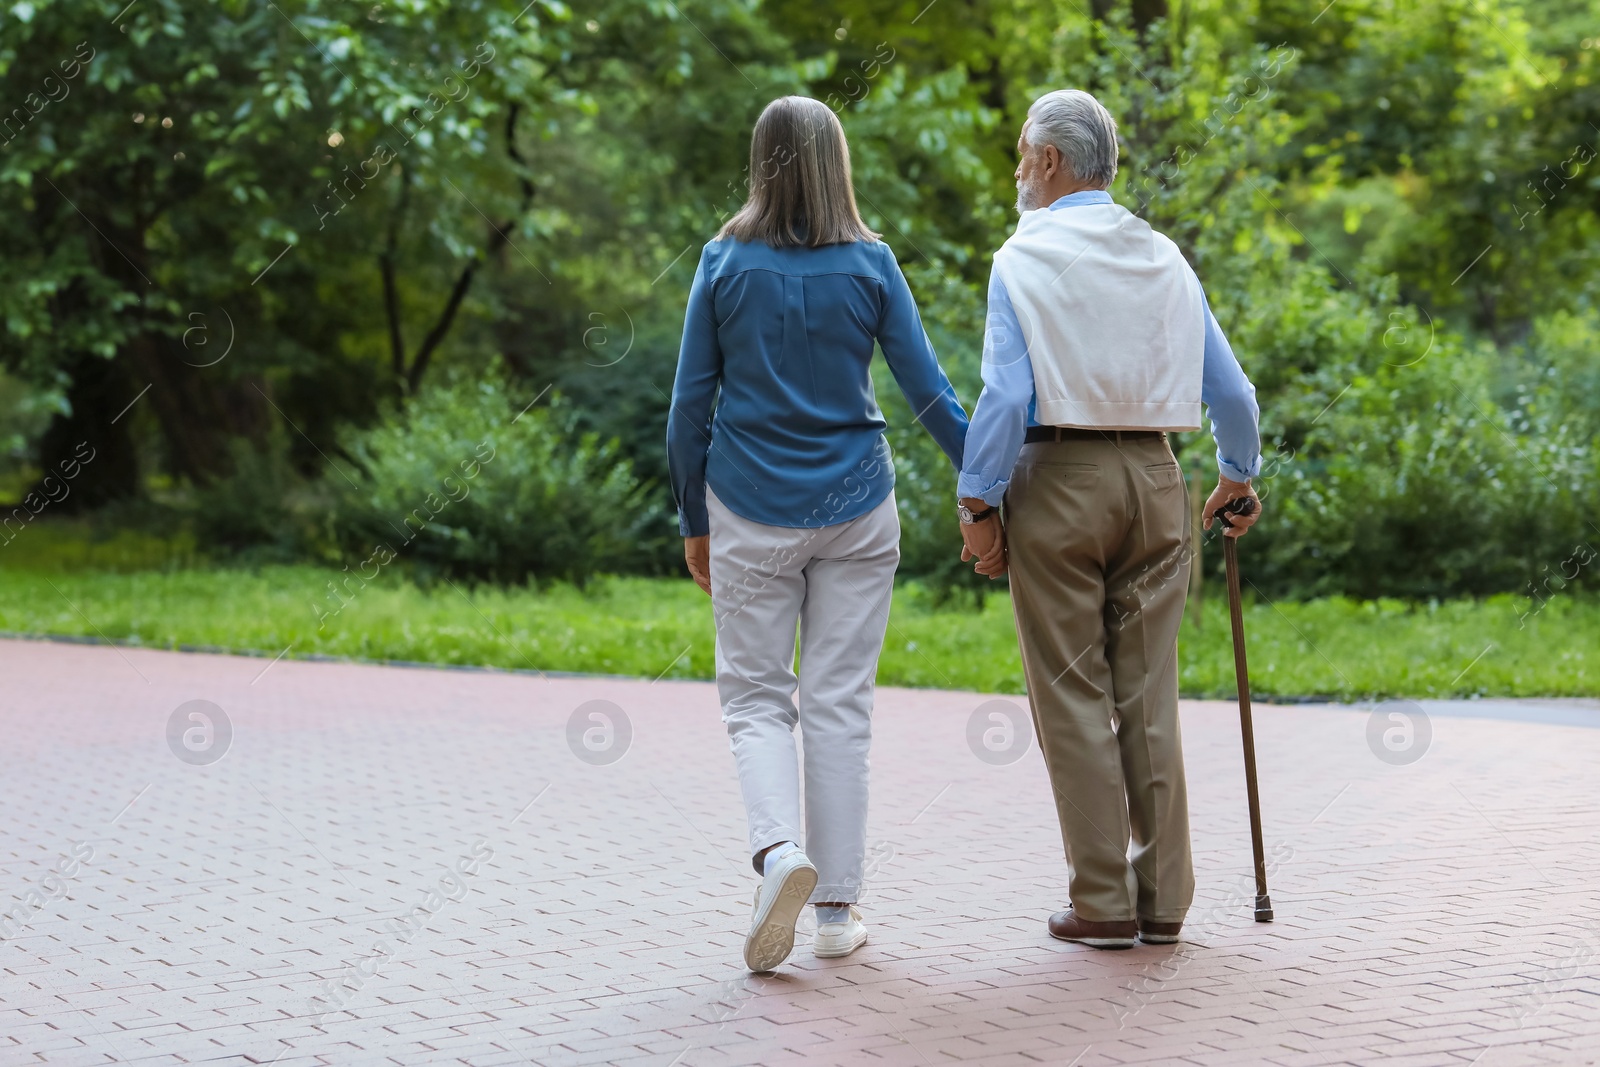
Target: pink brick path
[{"x": 1442, "y": 912}]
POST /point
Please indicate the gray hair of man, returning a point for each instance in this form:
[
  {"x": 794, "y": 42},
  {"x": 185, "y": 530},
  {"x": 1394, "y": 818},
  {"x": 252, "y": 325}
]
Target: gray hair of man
[{"x": 1081, "y": 129}]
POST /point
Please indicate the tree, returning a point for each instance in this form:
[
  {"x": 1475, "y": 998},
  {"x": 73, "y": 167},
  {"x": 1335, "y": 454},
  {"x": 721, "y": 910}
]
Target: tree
[{"x": 199, "y": 200}]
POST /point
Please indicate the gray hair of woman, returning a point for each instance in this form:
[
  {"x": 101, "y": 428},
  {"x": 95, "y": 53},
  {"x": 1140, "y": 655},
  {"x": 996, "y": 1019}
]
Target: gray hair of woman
[{"x": 800, "y": 191}]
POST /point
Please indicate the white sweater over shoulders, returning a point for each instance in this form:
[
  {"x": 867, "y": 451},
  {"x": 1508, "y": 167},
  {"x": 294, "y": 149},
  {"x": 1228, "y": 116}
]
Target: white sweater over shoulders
[{"x": 1112, "y": 316}]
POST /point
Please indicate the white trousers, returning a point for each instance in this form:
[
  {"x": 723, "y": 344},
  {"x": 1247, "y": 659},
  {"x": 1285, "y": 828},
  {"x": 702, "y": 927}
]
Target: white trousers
[{"x": 834, "y": 583}]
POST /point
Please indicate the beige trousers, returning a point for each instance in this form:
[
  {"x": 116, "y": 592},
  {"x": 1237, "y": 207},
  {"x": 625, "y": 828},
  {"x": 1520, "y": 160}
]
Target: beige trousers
[{"x": 1099, "y": 558}]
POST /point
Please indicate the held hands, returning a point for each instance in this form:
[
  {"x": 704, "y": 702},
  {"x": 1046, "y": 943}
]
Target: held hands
[
  {"x": 1226, "y": 492},
  {"x": 985, "y": 542},
  {"x": 697, "y": 555}
]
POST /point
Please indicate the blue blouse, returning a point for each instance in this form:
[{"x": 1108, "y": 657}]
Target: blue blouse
[{"x": 781, "y": 341}]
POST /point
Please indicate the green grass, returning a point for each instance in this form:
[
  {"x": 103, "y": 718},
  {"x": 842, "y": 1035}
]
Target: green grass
[{"x": 145, "y": 591}]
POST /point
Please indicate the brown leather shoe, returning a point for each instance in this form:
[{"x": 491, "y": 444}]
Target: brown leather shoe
[
  {"x": 1066, "y": 926},
  {"x": 1154, "y": 933}
]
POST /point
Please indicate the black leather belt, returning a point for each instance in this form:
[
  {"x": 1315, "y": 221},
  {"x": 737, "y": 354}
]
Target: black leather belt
[{"x": 1036, "y": 434}]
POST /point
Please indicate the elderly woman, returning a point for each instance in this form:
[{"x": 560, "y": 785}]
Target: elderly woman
[{"x": 785, "y": 493}]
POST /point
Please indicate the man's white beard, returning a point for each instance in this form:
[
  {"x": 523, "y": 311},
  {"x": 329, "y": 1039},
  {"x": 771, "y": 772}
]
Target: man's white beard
[{"x": 1030, "y": 197}]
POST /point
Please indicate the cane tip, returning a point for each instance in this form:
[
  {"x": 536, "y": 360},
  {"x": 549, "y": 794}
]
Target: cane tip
[{"x": 1263, "y": 909}]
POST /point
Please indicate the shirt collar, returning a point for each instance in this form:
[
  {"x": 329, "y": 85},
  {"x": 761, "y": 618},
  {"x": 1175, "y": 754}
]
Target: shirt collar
[{"x": 1083, "y": 196}]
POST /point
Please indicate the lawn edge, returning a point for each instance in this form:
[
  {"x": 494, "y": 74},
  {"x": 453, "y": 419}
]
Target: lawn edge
[{"x": 323, "y": 657}]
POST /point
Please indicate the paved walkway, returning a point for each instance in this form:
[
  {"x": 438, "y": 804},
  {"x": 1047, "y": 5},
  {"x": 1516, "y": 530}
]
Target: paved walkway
[{"x": 400, "y": 866}]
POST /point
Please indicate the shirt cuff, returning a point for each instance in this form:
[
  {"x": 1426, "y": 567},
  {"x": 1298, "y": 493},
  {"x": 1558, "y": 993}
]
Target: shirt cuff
[
  {"x": 988, "y": 491},
  {"x": 697, "y": 525},
  {"x": 1237, "y": 474}
]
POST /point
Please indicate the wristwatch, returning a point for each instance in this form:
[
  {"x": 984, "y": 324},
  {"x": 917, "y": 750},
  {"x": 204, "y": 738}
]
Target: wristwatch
[{"x": 969, "y": 517}]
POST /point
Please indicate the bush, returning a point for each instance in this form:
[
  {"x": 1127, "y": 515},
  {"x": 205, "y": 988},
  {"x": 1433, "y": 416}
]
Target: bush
[
  {"x": 459, "y": 483},
  {"x": 930, "y": 535},
  {"x": 248, "y": 515},
  {"x": 1418, "y": 484},
  {"x": 1401, "y": 458}
]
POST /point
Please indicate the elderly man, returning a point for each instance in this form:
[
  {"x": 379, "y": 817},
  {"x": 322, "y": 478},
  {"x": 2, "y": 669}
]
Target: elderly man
[{"x": 1099, "y": 341}]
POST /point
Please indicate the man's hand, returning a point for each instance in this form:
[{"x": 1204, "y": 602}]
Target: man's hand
[
  {"x": 1226, "y": 492},
  {"x": 984, "y": 542},
  {"x": 697, "y": 554}
]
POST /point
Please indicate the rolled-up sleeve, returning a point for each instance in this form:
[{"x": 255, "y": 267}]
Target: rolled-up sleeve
[
  {"x": 1230, "y": 401},
  {"x": 1000, "y": 420},
  {"x": 694, "y": 391}
]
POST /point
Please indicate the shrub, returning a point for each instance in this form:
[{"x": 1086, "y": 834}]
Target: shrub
[
  {"x": 463, "y": 482},
  {"x": 248, "y": 514},
  {"x": 1418, "y": 484}
]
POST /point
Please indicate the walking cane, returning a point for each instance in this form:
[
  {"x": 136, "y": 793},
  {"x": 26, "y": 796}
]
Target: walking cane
[{"x": 1245, "y": 505}]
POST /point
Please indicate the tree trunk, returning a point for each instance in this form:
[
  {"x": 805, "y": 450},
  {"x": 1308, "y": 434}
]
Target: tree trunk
[
  {"x": 187, "y": 400},
  {"x": 499, "y": 237},
  {"x": 1144, "y": 12},
  {"x": 1147, "y": 11},
  {"x": 188, "y": 405},
  {"x": 91, "y": 442}
]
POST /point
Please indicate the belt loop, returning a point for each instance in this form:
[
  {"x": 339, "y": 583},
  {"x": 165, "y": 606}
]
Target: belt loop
[{"x": 1058, "y": 435}]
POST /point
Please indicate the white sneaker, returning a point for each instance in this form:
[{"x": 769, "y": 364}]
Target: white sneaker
[
  {"x": 785, "y": 888},
  {"x": 840, "y": 939}
]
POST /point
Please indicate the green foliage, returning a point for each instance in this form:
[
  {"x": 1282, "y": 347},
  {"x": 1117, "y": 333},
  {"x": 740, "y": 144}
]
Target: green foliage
[
  {"x": 110, "y": 543},
  {"x": 249, "y": 514},
  {"x": 659, "y": 628},
  {"x": 1395, "y": 210},
  {"x": 930, "y": 540},
  {"x": 460, "y": 483},
  {"x": 1416, "y": 483}
]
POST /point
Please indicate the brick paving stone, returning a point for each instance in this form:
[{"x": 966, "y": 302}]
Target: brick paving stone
[{"x": 1440, "y": 912}]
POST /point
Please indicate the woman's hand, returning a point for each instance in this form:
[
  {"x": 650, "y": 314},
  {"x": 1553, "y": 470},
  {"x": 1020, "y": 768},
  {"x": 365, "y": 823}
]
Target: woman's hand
[{"x": 697, "y": 555}]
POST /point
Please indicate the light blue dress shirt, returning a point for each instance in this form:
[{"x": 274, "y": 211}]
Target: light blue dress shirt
[{"x": 1006, "y": 407}]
